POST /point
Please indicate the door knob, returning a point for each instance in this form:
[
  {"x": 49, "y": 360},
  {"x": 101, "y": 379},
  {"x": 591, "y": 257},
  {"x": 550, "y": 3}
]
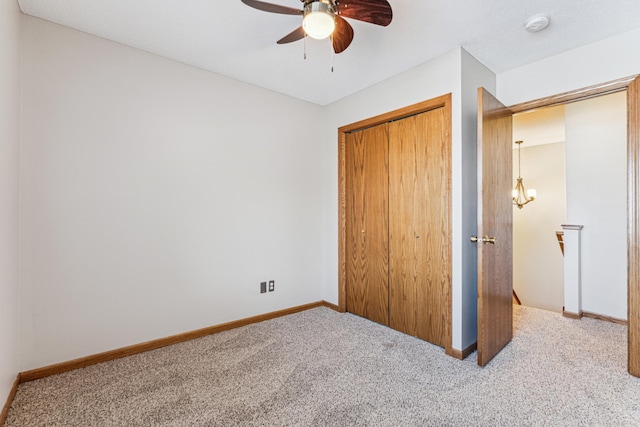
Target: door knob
[{"x": 484, "y": 239}]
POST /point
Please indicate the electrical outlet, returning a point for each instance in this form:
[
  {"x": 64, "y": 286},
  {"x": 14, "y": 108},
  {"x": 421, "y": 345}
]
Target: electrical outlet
[
  {"x": 272, "y": 285},
  {"x": 263, "y": 287}
]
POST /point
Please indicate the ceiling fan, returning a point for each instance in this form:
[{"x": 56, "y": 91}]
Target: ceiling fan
[{"x": 324, "y": 18}]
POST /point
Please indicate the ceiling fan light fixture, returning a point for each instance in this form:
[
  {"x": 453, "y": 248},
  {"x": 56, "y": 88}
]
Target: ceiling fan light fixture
[{"x": 319, "y": 19}]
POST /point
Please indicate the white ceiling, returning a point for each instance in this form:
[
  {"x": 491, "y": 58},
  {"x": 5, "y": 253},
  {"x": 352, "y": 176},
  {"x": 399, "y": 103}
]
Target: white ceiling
[
  {"x": 538, "y": 127},
  {"x": 230, "y": 38}
]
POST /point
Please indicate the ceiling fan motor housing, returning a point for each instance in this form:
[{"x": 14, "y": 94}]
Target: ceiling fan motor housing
[{"x": 319, "y": 18}]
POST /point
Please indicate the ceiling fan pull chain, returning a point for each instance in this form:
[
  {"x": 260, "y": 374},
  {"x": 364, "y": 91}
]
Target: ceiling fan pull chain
[
  {"x": 332, "y": 53},
  {"x": 304, "y": 41}
]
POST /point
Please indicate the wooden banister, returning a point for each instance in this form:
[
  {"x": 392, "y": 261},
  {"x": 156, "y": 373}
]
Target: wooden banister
[
  {"x": 560, "y": 237},
  {"x": 516, "y": 300}
]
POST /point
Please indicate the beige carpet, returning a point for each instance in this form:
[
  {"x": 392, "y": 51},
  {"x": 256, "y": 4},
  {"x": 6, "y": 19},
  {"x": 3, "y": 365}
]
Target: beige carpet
[{"x": 322, "y": 368}]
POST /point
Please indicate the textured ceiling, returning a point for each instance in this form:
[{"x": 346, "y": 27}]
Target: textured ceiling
[
  {"x": 230, "y": 38},
  {"x": 540, "y": 126}
]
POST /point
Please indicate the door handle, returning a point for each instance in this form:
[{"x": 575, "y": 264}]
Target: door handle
[{"x": 484, "y": 239}]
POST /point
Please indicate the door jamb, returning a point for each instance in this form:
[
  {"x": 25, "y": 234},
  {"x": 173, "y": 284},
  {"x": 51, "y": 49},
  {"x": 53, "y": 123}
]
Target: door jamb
[{"x": 581, "y": 94}]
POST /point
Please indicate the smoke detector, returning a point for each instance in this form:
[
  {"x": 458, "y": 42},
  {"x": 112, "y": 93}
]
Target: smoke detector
[{"x": 537, "y": 23}]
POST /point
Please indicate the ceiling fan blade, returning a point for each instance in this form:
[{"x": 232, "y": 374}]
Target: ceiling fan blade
[
  {"x": 373, "y": 11},
  {"x": 342, "y": 35},
  {"x": 274, "y": 8},
  {"x": 293, "y": 36}
]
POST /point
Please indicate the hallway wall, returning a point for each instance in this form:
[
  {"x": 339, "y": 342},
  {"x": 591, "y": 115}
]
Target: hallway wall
[
  {"x": 596, "y": 133},
  {"x": 538, "y": 264}
]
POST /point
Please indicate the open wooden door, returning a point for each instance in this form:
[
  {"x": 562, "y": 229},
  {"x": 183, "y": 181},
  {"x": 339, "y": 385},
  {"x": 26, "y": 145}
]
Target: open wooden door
[{"x": 495, "y": 227}]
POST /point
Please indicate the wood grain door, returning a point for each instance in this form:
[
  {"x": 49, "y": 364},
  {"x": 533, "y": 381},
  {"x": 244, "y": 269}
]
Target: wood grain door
[
  {"x": 495, "y": 220},
  {"x": 420, "y": 226},
  {"x": 367, "y": 223}
]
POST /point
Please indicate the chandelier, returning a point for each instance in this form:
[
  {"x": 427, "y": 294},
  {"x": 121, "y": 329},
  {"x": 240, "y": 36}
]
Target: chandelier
[{"x": 521, "y": 196}]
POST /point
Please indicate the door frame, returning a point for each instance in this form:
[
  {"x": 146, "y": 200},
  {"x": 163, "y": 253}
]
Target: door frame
[
  {"x": 633, "y": 193},
  {"x": 443, "y": 101}
]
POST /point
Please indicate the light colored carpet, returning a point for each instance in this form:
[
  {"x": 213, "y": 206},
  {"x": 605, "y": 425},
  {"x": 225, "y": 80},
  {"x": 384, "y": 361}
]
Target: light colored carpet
[{"x": 322, "y": 368}]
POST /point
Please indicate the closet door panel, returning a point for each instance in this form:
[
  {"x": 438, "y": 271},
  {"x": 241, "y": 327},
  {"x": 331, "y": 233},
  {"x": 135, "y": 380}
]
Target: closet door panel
[
  {"x": 404, "y": 262},
  {"x": 419, "y": 226},
  {"x": 434, "y": 295},
  {"x": 367, "y": 226}
]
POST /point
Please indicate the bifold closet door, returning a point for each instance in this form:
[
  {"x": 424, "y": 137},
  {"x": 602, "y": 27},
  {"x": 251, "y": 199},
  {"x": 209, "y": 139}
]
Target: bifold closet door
[
  {"x": 419, "y": 225},
  {"x": 367, "y": 223}
]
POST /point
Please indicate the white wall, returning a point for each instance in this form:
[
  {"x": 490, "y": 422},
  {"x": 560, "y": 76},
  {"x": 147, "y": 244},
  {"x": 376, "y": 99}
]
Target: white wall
[
  {"x": 596, "y": 140},
  {"x": 9, "y": 147},
  {"x": 595, "y": 63},
  {"x": 455, "y": 72},
  {"x": 474, "y": 75},
  {"x": 538, "y": 264},
  {"x": 156, "y": 197}
]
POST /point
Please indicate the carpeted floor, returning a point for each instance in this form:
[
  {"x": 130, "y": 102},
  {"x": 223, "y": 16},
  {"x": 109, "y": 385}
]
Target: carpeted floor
[{"x": 322, "y": 368}]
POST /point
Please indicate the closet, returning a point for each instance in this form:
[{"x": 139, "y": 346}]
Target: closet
[{"x": 396, "y": 184}]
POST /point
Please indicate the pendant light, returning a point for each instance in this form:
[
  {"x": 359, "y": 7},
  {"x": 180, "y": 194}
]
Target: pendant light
[{"x": 521, "y": 196}]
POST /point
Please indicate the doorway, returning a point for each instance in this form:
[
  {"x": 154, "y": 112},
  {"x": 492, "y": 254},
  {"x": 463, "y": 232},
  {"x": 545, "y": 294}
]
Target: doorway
[
  {"x": 541, "y": 162},
  {"x": 586, "y": 187},
  {"x": 632, "y": 85}
]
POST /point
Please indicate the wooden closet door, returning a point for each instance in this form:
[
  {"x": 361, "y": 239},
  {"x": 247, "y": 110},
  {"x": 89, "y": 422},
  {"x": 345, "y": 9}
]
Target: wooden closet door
[
  {"x": 420, "y": 226},
  {"x": 367, "y": 223}
]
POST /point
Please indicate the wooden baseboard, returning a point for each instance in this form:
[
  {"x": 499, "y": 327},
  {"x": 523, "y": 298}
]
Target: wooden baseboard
[
  {"x": 83, "y": 362},
  {"x": 590, "y": 315},
  {"x": 331, "y": 306},
  {"x": 10, "y": 397},
  {"x": 605, "y": 318},
  {"x": 571, "y": 315},
  {"x": 463, "y": 354}
]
